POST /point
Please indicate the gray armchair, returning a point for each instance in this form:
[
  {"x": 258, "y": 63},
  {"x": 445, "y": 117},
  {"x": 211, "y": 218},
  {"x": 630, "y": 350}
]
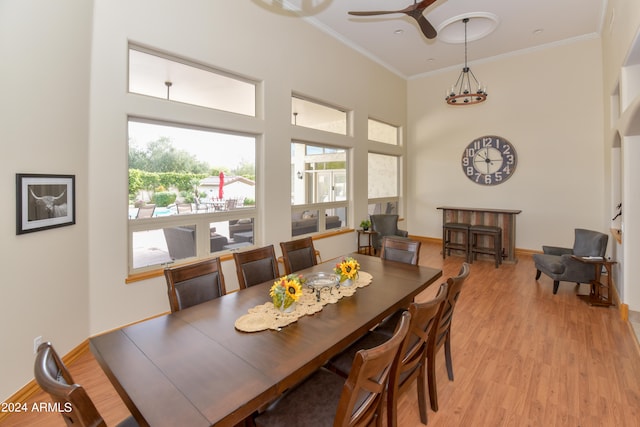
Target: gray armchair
[
  {"x": 557, "y": 262},
  {"x": 385, "y": 225}
]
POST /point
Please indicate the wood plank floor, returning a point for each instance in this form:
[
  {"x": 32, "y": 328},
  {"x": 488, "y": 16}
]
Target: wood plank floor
[{"x": 521, "y": 356}]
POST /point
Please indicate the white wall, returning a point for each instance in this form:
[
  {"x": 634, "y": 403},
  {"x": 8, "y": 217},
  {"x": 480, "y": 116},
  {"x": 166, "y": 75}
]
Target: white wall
[
  {"x": 618, "y": 41},
  {"x": 548, "y": 104},
  {"x": 44, "y": 120}
]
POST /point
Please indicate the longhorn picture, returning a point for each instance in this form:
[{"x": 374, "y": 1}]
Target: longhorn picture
[
  {"x": 44, "y": 201},
  {"x": 49, "y": 206}
]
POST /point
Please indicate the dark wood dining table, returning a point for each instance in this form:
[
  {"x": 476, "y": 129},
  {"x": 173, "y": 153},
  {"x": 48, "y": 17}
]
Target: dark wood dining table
[{"x": 194, "y": 368}]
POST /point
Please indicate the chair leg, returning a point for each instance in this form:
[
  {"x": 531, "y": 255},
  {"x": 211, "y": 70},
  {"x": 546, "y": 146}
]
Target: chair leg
[
  {"x": 431, "y": 377},
  {"x": 447, "y": 356},
  {"x": 422, "y": 397},
  {"x": 556, "y": 283},
  {"x": 538, "y": 273}
]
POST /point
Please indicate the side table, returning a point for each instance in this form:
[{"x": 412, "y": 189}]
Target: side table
[
  {"x": 600, "y": 293},
  {"x": 368, "y": 248}
]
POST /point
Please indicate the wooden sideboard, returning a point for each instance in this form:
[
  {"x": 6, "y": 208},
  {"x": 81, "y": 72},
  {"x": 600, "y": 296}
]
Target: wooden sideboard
[{"x": 503, "y": 218}]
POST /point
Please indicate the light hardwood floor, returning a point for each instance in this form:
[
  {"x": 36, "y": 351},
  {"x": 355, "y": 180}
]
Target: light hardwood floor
[{"x": 521, "y": 357}]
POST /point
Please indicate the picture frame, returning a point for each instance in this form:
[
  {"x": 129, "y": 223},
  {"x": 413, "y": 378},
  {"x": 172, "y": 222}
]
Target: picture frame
[{"x": 44, "y": 201}]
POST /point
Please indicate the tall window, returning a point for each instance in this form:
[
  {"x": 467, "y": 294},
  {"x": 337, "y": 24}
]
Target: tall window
[
  {"x": 319, "y": 188},
  {"x": 383, "y": 132},
  {"x": 315, "y": 115},
  {"x": 191, "y": 192},
  {"x": 173, "y": 79},
  {"x": 383, "y": 179}
]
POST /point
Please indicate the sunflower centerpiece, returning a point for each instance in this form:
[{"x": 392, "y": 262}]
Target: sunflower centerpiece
[
  {"x": 347, "y": 269},
  {"x": 285, "y": 291}
]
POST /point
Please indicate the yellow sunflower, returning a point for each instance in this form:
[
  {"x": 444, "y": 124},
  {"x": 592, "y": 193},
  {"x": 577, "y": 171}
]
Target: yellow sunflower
[
  {"x": 348, "y": 268},
  {"x": 293, "y": 289}
]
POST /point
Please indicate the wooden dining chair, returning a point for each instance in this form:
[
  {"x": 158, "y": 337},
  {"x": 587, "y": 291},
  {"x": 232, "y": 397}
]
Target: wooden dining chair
[
  {"x": 326, "y": 399},
  {"x": 76, "y": 406},
  {"x": 442, "y": 334},
  {"x": 195, "y": 283},
  {"x": 413, "y": 353},
  {"x": 401, "y": 250},
  {"x": 256, "y": 266},
  {"x": 298, "y": 254}
]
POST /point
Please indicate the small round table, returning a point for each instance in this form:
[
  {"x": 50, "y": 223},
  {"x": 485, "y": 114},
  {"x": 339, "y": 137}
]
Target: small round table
[
  {"x": 368, "y": 248},
  {"x": 600, "y": 293}
]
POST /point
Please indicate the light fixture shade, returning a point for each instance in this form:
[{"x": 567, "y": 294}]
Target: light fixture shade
[{"x": 467, "y": 90}]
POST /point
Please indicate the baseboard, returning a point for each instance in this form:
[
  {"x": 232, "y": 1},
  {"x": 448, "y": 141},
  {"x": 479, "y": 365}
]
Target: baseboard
[
  {"x": 438, "y": 240},
  {"x": 32, "y": 387}
]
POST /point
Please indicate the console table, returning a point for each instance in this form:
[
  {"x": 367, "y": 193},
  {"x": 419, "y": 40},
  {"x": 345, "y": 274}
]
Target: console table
[{"x": 503, "y": 218}]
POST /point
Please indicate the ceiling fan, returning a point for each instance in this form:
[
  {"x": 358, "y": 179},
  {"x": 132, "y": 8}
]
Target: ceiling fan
[{"x": 415, "y": 11}]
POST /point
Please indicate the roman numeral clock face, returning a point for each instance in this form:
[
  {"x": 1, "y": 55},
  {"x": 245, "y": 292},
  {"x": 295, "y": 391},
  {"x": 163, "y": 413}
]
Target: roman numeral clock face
[{"x": 489, "y": 160}]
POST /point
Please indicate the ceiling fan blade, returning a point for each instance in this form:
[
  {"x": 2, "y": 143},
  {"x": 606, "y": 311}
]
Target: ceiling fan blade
[
  {"x": 415, "y": 11},
  {"x": 426, "y": 27},
  {"x": 375, "y": 12}
]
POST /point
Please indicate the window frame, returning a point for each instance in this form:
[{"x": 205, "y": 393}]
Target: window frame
[{"x": 323, "y": 207}]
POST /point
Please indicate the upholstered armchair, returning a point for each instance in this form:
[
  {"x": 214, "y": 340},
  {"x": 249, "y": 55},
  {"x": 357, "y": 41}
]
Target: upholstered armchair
[
  {"x": 557, "y": 262},
  {"x": 384, "y": 225}
]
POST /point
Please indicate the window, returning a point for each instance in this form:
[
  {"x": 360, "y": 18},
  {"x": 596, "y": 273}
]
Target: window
[
  {"x": 319, "y": 188},
  {"x": 191, "y": 192},
  {"x": 383, "y": 181},
  {"x": 318, "y": 116},
  {"x": 383, "y": 132},
  {"x": 178, "y": 80}
]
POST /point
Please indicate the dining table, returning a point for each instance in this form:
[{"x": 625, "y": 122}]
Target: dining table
[{"x": 193, "y": 367}]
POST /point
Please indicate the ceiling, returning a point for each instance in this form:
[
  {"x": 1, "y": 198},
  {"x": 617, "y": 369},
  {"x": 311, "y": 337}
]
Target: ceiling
[{"x": 396, "y": 41}]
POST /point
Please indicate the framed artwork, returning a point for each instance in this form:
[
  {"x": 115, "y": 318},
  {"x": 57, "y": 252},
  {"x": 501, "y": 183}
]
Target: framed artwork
[{"x": 44, "y": 201}]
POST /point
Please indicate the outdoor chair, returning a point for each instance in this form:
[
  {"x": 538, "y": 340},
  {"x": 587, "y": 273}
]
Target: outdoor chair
[{"x": 146, "y": 211}]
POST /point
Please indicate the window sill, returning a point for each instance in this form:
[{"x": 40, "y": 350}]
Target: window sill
[{"x": 159, "y": 272}]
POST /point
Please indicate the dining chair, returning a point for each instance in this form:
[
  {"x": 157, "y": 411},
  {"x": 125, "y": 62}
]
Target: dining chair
[
  {"x": 76, "y": 406},
  {"x": 298, "y": 254},
  {"x": 413, "y": 353},
  {"x": 256, "y": 266},
  {"x": 442, "y": 334},
  {"x": 327, "y": 399},
  {"x": 401, "y": 250},
  {"x": 195, "y": 283}
]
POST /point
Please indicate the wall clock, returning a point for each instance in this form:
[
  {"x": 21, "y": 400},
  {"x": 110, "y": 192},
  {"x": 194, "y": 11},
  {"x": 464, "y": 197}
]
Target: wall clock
[{"x": 489, "y": 160}]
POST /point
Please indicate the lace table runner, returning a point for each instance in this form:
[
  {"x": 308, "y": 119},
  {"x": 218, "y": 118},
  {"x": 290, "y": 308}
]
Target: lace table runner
[{"x": 266, "y": 316}]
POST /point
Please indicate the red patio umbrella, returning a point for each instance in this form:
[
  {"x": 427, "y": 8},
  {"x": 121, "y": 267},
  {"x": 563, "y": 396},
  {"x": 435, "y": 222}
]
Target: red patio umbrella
[{"x": 220, "y": 187}]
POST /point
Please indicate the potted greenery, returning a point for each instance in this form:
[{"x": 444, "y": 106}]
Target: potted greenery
[{"x": 365, "y": 224}]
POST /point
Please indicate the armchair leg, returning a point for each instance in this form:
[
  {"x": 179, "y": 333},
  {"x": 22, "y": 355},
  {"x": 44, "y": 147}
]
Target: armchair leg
[
  {"x": 538, "y": 273},
  {"x": 556, "y": 283}
]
